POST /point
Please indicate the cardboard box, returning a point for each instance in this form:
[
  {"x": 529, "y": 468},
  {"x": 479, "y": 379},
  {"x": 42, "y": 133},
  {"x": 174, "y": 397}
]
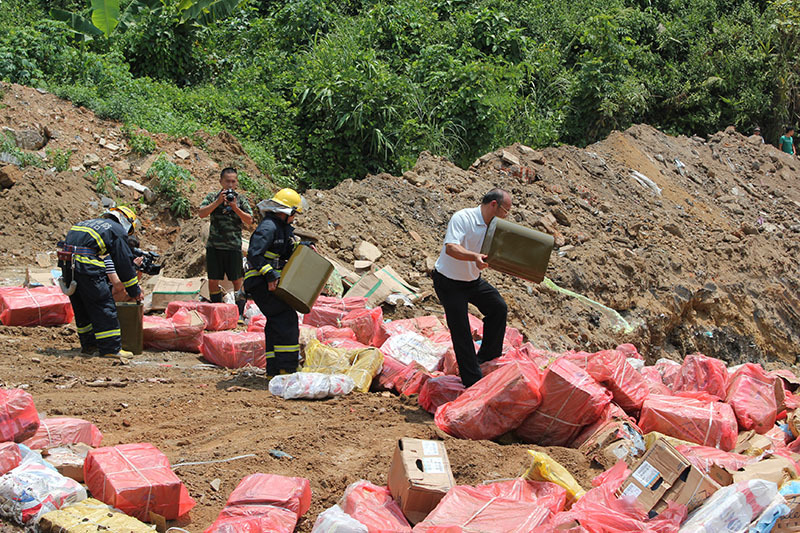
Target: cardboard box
[
  {"x": 378, "y": 285},
  {"x": 615, "y": 440},
  {"x": 776, "y": 469},
  {"x": 791, "y": 522},
  {"x": 166, "y": 290},
  {"x": 68, "y": 460},
  {"x": 419, "y": 477},
  {"x": 663, "y": 475},
  {"x": 752, "y": 444}
]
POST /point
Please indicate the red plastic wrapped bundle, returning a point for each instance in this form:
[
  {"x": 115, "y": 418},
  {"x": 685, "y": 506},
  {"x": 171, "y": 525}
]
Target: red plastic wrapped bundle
[
  {"x": 571, "y": 399},
  {"x": 669, "y": 371},
  {"x": 329, "y": 311},
  {"x": 481, "y": 508},
  {"x": 374, "y": 507},
  {"x": 611, "y": 369},
  {"x": 548, "y": 495},
  {"x": 257, "y": 323},
  {"x": 751, "y": 393},
  {"x": 513, "y": 337},
  {"x": 702, "y": 422},
  {"x": 182, "y": 332},
  {"x": 392, "y": 368},
  {"x": 234, "y": 350},
  {"x": 652, "y": 378},
  {"x": 10, "y": 457},
  {"x": 37, "y": 306},
  {"x": 136, "y": 479},
  {"x": 367, "y": 324},
  {"x": 701, "y": 373},
  {"x": 218, "y": 316},
  {"x": 540, "y": 357},
  {"x": 475, "y": 326},
  {"x": 254, "y": 519},
  {"x": 629, "y": 350},
  {"x": 18, "y": 417},
  {"x": 703, "y": 457},
  {"x": 411, "y": 379},
  {"x": 495, "y": 405},
  {"x": 55, "y": 432},
  {"x": 438, "y": 391},
  {"x": 511, "y": 356},
  {"x": 293, "y": 493},
  {"x": 327, "y": 333},
  {"x": 426, "y": 326}
]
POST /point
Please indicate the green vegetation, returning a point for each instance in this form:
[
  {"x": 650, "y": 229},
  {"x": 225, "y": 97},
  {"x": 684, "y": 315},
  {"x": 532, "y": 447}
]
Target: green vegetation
[
  {"x": 104, "y": 180},
  {"x": 8, "y": 145},
  {"x": 174, "y": 183},
  {"x": 59, "y": 158},
  {"x": 318, "y": 91},
  {"x": 139, "y": 143},
  {"x": 257, "y": 187}
]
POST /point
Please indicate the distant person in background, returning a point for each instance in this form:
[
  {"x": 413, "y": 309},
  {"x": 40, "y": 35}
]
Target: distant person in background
[
  {"x": 457, "y": 281},
  {"x": 756, "y": 137},
  {"x": 786, "y": 142},
  {"x": 224, "y": 246}
]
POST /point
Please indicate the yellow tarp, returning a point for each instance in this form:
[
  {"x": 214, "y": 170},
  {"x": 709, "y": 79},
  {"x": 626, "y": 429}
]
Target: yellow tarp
[{"x": 91, "y": 516}]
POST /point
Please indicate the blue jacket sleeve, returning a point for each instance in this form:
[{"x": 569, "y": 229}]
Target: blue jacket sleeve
[{"x": 258, "y": 255}]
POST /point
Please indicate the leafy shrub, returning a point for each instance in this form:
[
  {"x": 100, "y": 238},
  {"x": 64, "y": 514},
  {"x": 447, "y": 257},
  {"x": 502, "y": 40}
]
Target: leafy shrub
[
  {"x": 174, "y": 182},
  {"x": 139, "y": 143},
  {"x": 104, "y": 180},
  {"x": 26, "y": 159},
  {"x": 59, "y": 158}
]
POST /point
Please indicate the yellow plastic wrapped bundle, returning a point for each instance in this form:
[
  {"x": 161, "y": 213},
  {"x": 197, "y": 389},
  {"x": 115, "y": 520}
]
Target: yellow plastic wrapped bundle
[
  {"x": 545, "y": 468},
  {"x": 366, "y": 364},
  {"x": 325, "y": 359},
  {"x": 91, "y": 516}
]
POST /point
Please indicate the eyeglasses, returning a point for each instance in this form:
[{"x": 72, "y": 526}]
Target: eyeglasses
[{"x": 506, "y": 211}]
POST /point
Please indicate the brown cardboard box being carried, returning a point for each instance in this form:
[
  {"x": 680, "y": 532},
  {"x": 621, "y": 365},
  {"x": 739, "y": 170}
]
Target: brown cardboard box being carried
[
  {"x": 419, "y": 477},
  {"x": 663, "y": 475}
]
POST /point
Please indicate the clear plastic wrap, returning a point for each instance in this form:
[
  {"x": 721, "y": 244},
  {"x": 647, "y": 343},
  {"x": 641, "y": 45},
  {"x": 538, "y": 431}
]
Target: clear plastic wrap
[
  {"x": 335, "y": 520},
  {"x": 408, "y": 347},
  {"x": 374, "y": 507},
  {"x": 731, "y": 509},
  {"x": 310, "y": 385}
]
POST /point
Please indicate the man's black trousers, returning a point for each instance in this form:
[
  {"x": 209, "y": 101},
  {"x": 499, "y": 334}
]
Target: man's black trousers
[{"x": 455, "y": 297}]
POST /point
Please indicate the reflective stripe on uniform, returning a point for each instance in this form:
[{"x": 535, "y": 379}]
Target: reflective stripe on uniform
[
  {"x": 94, "y": 235},
  {"x": 251, "y": 274},
  {"x": 287, "y": 347},
  {"x": 271, "y": 255},
  {"x": 131, "y": 282},
  {"x": 269, "y": 355},
  {"x": 107, "y": 334},
  {"x": 88, "y": 261},
  {"x": 263, "y": 270},
  {"x": 85, "y": 329}
]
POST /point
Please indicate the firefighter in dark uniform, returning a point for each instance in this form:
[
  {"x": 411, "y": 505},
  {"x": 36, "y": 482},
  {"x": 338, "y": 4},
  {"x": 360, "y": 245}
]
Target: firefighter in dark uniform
[
  {"x": 84, "y": 277},
  {"x": 271, "y": 245}
]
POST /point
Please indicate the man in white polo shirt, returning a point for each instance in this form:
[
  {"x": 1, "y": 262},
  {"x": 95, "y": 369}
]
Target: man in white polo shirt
[{"x": 457, "y": 281}]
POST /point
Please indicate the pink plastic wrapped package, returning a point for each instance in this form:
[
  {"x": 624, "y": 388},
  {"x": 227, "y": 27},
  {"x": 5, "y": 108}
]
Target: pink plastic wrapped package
[
  {"x": 513, "y": 337},
  {"x": 292, "y": 493},
  {"x": 10, "y": 456},
  {"x": 257, "y": 323},
  {"x": 751, "y": 393},
  {"x": 629, "y": 350},
  {"x": 55, "y": 432},
  {"x": 18, "y": 417},
  {"x": 511, "y": 356},
  {"x": 411, "y": 379},
  {"x": 325, "y": 334},
  {"x": 704, "y": 457},
  {"x": 495, "y": 405},
  {"x": 136, "y": 479},
  {"x": 466, "y": 508},
  {"x": 37, "y": 306},
  {"x": 234, "y": 350},
  {"x": 653, "y": 381},
  {"x": 426, "y": 326},
  {"x": 611, "y": 369},
  {"x": 571, "y": 399},
  {"x": 254, "y": 519},
  {"x": 475, "y": 326},
  {"x": 702, "y": 422},
  {"x": 374, "y": 507},
  {"x": 218, "y": 316},
  {"x": 701, "y": 373},
  {"x": 392, "y": 368},
  {"x": 367, "y": 324},
  {"x": 669, "y": 371},
  {"x": 438, "y": 391},
  {"x": 540, "y": 357},
  {"x": 182, "y": 332},
  {"x": 328, "y": 311}
]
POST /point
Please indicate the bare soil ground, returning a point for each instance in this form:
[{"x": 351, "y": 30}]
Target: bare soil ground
[{"x": 707, "y": 262}]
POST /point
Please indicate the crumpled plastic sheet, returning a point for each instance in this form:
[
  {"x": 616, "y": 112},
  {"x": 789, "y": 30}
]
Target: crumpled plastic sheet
[
  {"x": 310, "y": 385},
  {"x": 751, "y": 393}
]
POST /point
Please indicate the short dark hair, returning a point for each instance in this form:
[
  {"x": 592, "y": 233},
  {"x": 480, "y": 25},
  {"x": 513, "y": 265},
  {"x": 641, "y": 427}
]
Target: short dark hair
[
  {"x": 789, "y": 128},
  {"x": 495, "y": 195},
  {"x": 227, "y": 170}
]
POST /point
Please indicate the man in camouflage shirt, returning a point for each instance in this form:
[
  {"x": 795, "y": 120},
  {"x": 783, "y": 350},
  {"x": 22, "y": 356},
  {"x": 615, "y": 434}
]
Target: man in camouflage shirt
[{"x": 224, "y": 246}]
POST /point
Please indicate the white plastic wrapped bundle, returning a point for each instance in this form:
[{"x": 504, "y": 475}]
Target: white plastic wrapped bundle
[
  {"x": 335, "y": 520},
  {"x": 410, "y": 346},
  {"x": 310, "y": 385},
  {"x": 731, "y": 509},
  {"x": 35, "y": 488}
]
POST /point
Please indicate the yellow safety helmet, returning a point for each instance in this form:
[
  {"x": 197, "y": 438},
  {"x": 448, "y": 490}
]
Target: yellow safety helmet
[
  {"x": 289, "y": 198},
  {"x": 125, "y": 215}
]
